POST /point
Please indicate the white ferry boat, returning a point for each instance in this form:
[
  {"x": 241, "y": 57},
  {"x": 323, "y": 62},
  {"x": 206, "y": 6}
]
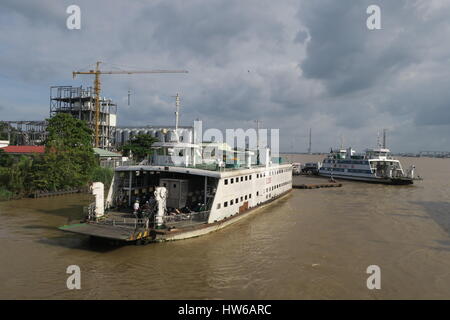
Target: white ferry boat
[
  {"x": 375, "y": 165},
  {"x": 183, "y": 191}
]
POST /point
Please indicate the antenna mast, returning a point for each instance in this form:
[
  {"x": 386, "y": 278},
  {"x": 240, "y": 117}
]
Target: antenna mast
[
  {"x": 177, "y": 111},
  {"x": 309, "y": 147},
  {"x": 257, "y": 140}
]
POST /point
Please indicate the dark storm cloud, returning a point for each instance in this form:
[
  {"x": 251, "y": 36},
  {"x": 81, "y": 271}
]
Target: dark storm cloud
[
  {"x": 390, "y": 77},
  {"x": 207, "y": 31},
  {"x": 346, "y": 55}
]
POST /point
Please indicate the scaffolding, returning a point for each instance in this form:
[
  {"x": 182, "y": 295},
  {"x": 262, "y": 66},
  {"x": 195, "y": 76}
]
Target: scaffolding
[
  {"x": 29, "y": 133},
  {"x": 80, "y": 103}
]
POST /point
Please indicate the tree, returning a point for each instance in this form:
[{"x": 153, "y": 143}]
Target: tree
[
  {"x": 3, "y": 131},
  {"x": 5, "y": 159},
  {"x": 15, "y": 173},
  {"x": 69, "y": 158},
  {"x": 140, "y": 146}
]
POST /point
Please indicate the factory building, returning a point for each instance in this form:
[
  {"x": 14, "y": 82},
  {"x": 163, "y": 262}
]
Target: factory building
[{"x": 162, "y": 133}]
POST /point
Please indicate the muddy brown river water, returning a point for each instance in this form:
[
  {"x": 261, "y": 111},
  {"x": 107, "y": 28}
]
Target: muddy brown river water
[{"x": 313, "y": 244}]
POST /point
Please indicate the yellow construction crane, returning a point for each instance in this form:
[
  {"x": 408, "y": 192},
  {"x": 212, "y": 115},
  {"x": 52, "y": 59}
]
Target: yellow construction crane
[{"x": 97, "y": 72}]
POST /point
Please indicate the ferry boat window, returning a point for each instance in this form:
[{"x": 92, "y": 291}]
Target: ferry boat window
[
  {"x": 237, "y": 200},
  {"x": 250, "y": 177},
  {"x": 226, "y": 181},
  {"x": 225, "y": 204},
  {"x": 249, "y": 196},
  {"x": 242, "y": 179},
  {"x": 246, "y": 178},
  {"x": 231, "y": 202},
  {"x": 218, "y": 206},
  {"x": 242, "y": 199},
  {"x": 232, "y": 179},
  {"x": 245, "y": 197}
]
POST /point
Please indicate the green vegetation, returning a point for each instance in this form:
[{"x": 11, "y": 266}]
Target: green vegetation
[
  {"x": 68, "y": 162},
  {"x": 3, "y": 131},
  {"x": 140, "y": 146},
  {"x": 5, "y": 194},
  {"x": 69, "y": 159},
  {"x": 104, "y": 175},
  {"x": 14, "y": 178}
]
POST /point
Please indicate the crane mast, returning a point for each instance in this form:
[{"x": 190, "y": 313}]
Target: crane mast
[{"x": 97, "y": 88}]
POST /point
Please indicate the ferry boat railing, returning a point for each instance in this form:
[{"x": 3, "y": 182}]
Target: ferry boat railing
[
  {"x": 186, "y": 219},
  {"x": 89, "y": 211},
  {"x": 171, "y": 221},
  {"x": 112, "y": 163},
  {"x": 124, "y": 222}
]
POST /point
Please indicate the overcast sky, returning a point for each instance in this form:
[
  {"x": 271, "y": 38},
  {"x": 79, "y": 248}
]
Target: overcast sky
[{"x": 294, "y": 65}]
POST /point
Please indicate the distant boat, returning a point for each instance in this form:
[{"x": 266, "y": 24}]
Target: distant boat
[
  {"x": 296, "y": 168},
  {"x": 375, "y": 165}
]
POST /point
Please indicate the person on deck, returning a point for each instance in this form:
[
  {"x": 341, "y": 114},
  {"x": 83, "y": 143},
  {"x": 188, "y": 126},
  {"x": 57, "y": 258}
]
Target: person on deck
[{"x": 136, "y": 208}]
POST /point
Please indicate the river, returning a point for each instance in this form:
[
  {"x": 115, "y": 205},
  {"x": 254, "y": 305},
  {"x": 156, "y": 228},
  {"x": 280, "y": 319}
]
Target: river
[{"x": 312, "y": 244}]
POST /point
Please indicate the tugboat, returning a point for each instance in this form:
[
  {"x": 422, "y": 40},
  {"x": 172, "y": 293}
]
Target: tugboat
[{"x": 375, "y": 165}]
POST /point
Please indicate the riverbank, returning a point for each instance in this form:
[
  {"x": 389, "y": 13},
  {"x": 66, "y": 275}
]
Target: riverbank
[{"x": 23, "y": 190}]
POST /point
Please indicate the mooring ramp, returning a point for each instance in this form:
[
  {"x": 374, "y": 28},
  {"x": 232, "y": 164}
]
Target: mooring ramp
[{"x": 101, "y": 231}]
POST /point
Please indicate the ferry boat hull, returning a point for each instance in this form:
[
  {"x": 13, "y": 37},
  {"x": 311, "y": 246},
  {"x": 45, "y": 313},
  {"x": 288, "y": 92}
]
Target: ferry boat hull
[
  {"x": 390, "y": 181},
  {"x": 212, "y": 227}
]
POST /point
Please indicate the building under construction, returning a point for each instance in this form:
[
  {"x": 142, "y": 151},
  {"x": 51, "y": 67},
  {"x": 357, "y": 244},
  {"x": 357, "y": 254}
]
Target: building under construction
[
  {"x": 80, "y": 103},
  {"x": 30, "y": 133}
]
